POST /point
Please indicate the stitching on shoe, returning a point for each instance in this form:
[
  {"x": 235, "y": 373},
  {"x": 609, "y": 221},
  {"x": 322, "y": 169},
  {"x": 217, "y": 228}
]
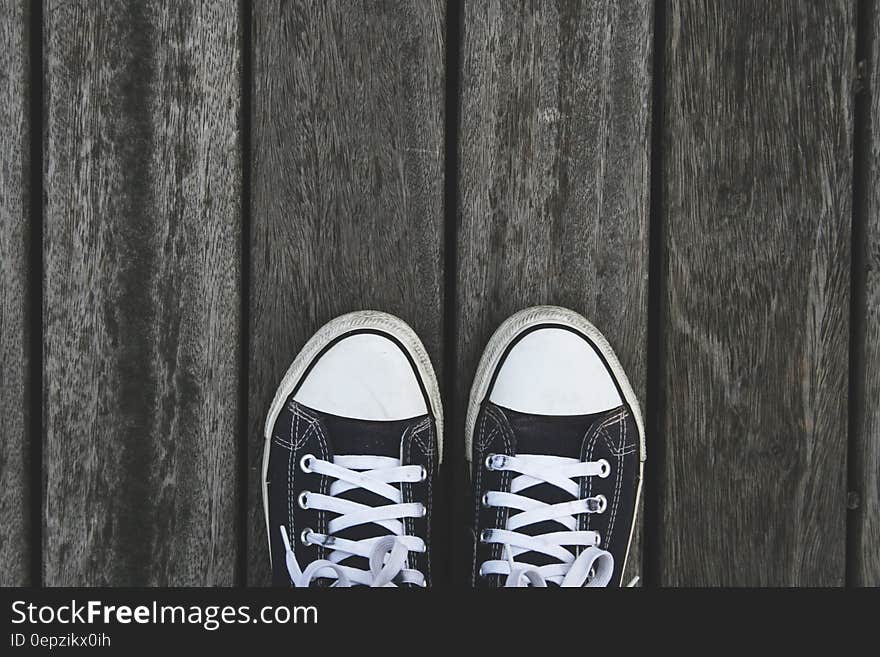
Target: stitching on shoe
[
  {"x": 290, "y": 475},
  {"x": 483, "y": 443},
  {"x": 478, "y": 465},
  {"x": 588, "y": 481},
  {"x": 588, "y": 451},
  {"x": 619, "y": 483},
  {"x": 314, "y": 426},
  {"x": 324, "y": 482},
  {"x": 300, "y": 439},
  {"x": 506, "y": 477},
  {"x": 281, "y": 442},
  {"x": 429, "y": 456},
  {"x": 405, "y": 488},
  {"x": 412, "y": 435}
]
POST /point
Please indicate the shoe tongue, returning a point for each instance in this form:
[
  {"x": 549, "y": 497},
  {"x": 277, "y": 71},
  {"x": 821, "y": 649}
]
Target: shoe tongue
[
  {"x": 353, "y": 437},
  {"x": 561, "y": 435}
]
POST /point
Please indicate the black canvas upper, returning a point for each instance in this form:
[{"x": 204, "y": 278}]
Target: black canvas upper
[
  {"x": 299, "y": 431},
  {"x": 612, "y": 435}
]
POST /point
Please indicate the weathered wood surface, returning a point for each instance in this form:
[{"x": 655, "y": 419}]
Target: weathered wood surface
[
  {"x": 553, "y": 177},
  {"x": 866, "y": 457},
  {"x": 142, "y": 293},
  {"x": 347, "y": 186},
  {"x": 757, "y": 146},
  {"x": 15, "y": 285},
  {"x": 142, "y": 238}
]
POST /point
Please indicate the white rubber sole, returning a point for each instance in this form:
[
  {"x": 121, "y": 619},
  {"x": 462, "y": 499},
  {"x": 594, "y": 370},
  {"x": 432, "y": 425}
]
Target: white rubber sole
[
  {"x": 335, "y": 328},
  {"x": 509, "y": 330}
]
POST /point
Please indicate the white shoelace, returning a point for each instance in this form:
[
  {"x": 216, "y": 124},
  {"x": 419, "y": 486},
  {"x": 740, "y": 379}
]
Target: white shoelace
[
  {"x": 593, "y": 567},
  {"x": 387, "y": 554}
]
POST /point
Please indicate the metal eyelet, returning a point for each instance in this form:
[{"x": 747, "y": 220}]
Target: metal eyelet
[
  {"x": 495, "y": 461},
  {"x": 304, "y": 536},
  {"x": 485, "y": 535},
  {"x": 305, "y": 463},
  {"x": 605, "y": 468},
  {"x": 596, "y": 504},
  {"x": 423, "y": 475},
  {"x": 424, "y": 511},
  {"x": 303, "y": 500},
  {"x": 485, "y": 500},
  {"x": 597, "y": 541}
]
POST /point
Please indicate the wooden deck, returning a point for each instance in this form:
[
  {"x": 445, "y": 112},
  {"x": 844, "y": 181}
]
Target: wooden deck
[{"x": 188, "y": 190}]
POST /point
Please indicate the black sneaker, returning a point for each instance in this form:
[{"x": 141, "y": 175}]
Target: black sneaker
[
  {"x": 556, "y": 444},
  {"x": 352, "y": 445}
]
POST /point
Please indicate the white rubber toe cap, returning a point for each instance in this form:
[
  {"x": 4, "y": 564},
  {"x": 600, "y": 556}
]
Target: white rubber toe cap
[
  {"x": 554, "y": 371},
  {"x": 363, "y": 376}
]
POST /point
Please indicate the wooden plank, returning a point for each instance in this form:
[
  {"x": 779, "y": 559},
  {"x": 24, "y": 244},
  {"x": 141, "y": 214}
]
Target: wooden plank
[
  {"x": 14, "y": 288},
  {"x": 866, "y": 457},
  {"x": 757, "y": 139},
  {"x": 142, "y": 292},
  {"x": 554, "y": 177},
  {"x": 347, "y": 186}
]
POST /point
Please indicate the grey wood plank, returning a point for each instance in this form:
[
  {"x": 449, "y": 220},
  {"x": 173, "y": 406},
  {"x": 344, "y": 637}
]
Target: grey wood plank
[
  {"x": 554, "y": 176},
  {"x": 142, "y": 292},
  {"x": 866, "y": 457},
  {"x": 15, "y": 284},
  {"x": 347, "y": 186},
  {"x": 757, "y": 139}
]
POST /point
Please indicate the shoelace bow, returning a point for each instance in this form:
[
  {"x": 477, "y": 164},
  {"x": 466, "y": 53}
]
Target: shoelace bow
[
  {"x": 593, "y": 567},
  {"x": 388, "y": 554}
]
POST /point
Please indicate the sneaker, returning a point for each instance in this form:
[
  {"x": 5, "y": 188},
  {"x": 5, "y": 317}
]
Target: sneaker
[
  {"x": 351, "y": 449},
  {"x": 556, "y": 444}
]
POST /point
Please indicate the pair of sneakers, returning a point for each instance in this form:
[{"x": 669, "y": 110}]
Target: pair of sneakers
[{"x": 353, "y": 442}]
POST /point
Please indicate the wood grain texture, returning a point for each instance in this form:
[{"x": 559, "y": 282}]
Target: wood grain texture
[
  {"x": 347, "y": 186},
  {"x": 15, "y": 285},
  {"x": 554, "y": 176},
  {"x": 142, "y": 292},
  {"x": 757, "y": 139},
  {"x": 866, "y": 457}
]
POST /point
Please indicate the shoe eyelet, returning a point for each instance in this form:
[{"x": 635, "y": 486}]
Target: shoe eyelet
[
  {"x": 423, "y": 475},
  {"x": 597, "y": 541},
  {"x": 424, "y": 511},
  {"x": 303, "y": 500},
  {"x": 596, "y": 504},
  {"x": 304, "y": 536},
  {"x": 485, "y": 535},
  {"x": 305, "y": 463},
  {"x": 605, "y": 468},
  {"x": 485, "y": 500},
  {"x": 495, "y": 461}
]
